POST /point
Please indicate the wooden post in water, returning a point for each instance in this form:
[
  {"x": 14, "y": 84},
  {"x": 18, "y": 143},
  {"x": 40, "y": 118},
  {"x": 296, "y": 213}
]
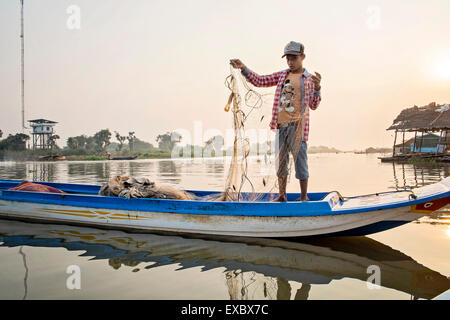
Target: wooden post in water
[
  {"x": 415, "y": 137},
  {"x": 439, "y": 142},
  {"x": 403, "y": 143},
  {"x": 421, "y": 142},
  {"x": 395, "y": 140},
  {"x": 446, "y": 141}
]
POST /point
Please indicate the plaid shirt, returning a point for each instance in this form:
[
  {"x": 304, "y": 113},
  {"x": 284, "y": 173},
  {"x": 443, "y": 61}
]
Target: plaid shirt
[{"x": 311, "y": 98}]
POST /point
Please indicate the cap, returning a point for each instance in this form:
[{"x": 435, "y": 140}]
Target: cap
[{"x": 295, "y": 48}]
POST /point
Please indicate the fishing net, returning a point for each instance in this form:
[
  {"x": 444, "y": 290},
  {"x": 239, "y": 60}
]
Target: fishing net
[
  {"x": 251, "y": 109},
  {"x": 254, "y": 160},
  {"x": 130, "y": 187}
]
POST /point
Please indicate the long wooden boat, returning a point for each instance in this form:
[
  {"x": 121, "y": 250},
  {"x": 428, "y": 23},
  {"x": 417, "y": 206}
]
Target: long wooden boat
[
  {"x": 124, "y": 158},
  {"x": 52, "y": 158},
  {"x": 326, "y": 212}
]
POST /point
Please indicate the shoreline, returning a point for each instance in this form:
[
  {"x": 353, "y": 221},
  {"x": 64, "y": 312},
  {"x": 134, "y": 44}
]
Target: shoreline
[{"x": 162, "y": 156}]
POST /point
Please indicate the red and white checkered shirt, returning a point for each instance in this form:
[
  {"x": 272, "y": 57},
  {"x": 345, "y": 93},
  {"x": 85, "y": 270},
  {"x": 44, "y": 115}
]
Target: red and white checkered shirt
[{"x": 311, "y": 97}]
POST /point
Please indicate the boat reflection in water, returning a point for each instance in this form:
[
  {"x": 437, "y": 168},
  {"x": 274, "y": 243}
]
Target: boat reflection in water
[{"x": 255, "y": 268}]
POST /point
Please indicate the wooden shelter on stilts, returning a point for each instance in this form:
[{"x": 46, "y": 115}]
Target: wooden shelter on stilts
[{"x": 425, "y": 122}]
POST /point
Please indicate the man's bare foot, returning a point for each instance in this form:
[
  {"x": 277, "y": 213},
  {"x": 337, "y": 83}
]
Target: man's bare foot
[
  {"x": 305, "y": 198},
  {"x": 280, "y": 199}
]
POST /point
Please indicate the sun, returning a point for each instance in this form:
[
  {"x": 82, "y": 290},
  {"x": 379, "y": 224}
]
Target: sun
[{"x": 442, "y": 69}]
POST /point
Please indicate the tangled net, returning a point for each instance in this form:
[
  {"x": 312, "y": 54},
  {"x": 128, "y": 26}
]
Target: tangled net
[
  {"x": 238, "y": 173},
  {"x": 248, "y": 109},
  {"x": 130, "y": 187}
]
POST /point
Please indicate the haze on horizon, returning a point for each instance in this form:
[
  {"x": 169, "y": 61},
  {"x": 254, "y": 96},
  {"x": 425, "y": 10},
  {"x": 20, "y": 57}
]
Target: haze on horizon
[{"x": 153, "y": 66}]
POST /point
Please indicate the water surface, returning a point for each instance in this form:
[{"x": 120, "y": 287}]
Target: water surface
[{"x": 413, "y": 259}]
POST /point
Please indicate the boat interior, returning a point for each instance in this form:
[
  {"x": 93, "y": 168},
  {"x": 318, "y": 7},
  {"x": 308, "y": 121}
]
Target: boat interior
[{"x": 85, "y": 189}]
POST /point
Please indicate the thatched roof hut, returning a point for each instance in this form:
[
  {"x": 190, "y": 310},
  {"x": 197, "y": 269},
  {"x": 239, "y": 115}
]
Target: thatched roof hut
[
  {"x": 429, "y": 118},
  {"x": 432, "y": 117}
]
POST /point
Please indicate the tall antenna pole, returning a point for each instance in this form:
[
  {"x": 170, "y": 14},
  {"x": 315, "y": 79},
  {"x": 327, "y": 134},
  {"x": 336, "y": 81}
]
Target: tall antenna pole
[{"x": 22, "y": 66}]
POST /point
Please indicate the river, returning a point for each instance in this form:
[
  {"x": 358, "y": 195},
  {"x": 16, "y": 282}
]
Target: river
[{"x": 37, "y": 261}]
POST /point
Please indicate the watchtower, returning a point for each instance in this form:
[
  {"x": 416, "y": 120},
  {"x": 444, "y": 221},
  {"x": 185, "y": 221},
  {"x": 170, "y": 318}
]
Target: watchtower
[{"x": 41, "y": 131}]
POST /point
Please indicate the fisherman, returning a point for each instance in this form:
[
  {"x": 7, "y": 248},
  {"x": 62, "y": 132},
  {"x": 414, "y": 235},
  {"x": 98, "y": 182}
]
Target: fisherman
[{"x": 297, "y": 91}]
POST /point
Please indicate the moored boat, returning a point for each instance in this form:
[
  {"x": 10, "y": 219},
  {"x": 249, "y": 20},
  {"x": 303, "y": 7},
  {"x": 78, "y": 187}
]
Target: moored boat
[
  {"x": 124, "y": 158},
  {"x": 52, "y": 158},
  {"x": 326, "y": 213}
]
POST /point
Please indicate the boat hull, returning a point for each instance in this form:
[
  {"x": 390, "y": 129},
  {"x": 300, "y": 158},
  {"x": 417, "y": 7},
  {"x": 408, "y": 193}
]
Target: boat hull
[
  {"x": 325, "y": 214},
  {"x": 248, "y": 226}
]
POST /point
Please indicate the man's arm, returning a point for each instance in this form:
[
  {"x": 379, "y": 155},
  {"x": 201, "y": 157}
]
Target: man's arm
[
  {"x": 261, "y": 81},
  {"x": 254, "y": 78}
]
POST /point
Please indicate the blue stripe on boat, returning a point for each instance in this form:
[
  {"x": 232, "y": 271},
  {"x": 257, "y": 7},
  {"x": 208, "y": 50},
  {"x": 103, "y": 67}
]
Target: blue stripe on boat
[{"x": 258, "y": 208}]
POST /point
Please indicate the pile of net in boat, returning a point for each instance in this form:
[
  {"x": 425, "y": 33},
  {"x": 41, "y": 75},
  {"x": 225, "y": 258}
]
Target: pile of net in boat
[{"x": 130, "y": 187}]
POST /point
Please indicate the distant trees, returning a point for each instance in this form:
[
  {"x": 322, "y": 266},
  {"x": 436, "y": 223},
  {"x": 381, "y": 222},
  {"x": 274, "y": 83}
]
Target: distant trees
[
  {"x": 84, "y": 144},
  {"x": 121, "y": 140},
  {"x": 213, "y": 146},
  {"x": 80, "y": 142},
  {"x": 131, "y": 139},
  {"x": 52, "y": 141},
  {"x": 168, "y": 140},
  {"x": 17, "y": 142},
  {"x": 101, "y": 142},
  {"x": 102, "y": 139},
  {"x": 216, "y": 142},
  {"x": 142, "y": 145},
  {"x": 72, "y": 143}
]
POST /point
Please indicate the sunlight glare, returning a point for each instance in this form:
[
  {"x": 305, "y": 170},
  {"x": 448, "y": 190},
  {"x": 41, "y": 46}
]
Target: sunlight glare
[{"x": 442, "y": 69}]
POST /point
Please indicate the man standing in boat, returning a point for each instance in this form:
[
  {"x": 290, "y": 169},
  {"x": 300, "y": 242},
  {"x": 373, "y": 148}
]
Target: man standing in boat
[{"x": 297, "y": 91}]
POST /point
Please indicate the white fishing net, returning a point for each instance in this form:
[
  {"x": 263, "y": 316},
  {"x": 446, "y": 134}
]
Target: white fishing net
[
  {"x": 254, "y": 160},
  {"x": 251, "y": 111}
]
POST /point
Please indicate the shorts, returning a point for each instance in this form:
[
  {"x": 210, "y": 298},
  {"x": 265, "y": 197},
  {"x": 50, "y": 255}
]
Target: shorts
[{"x": 285, "y": 143}]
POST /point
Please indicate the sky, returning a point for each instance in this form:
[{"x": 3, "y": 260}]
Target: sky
[{"x": 157, "y": 66}]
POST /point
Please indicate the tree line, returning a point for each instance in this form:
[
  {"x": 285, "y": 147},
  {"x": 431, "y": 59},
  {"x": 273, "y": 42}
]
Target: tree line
[
  {"x": 106, "y": 142},
  {"x": 16, "y": 142},
  {"x": 100, "y": 142}
]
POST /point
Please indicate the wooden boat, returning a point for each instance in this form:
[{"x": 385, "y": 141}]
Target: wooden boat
[
  {"x": 52, "y": 158},
  {"x": 325, "y": 213},
  {"x": 124, "y": 158}
]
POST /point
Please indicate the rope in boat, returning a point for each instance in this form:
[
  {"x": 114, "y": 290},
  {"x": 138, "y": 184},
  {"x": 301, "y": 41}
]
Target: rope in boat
[{"x": 411, "y": 196}]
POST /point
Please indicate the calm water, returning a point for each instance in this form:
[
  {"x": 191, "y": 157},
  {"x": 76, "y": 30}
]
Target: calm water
[{"x": 414, "y": 259}]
